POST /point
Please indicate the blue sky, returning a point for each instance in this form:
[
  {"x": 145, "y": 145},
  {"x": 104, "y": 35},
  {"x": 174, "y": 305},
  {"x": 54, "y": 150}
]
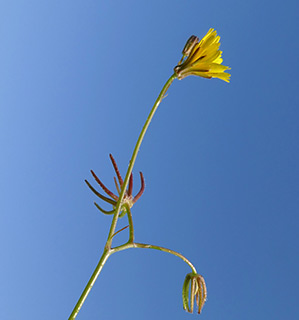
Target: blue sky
[{"x": 78, "y": 79}]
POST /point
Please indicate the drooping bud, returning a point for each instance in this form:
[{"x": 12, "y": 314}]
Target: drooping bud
[{"x": 195, "y": 287}]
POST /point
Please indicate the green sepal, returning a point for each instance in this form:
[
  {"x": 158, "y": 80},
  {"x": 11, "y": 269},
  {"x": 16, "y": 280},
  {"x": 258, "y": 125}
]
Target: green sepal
[
  {"x": 100, "y": 195},
  {"x": 192, "y": 293},
  {"x": 122, "y": 213},
  {"x": 185, "y": 292},
  {"x": 201, "y": 295},
  {"x": 104, "y": 211}
]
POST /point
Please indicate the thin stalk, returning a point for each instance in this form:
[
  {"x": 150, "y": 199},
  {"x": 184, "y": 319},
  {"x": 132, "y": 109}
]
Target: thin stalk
[
  {"x": 122, "y": 229},
  {"x": 130, "y": 220},
  {"x": 150, "y": 246},
  {"x": 90, "y": 284},
  {"x": 133, "y": 159},
  {"x": 108, "y": 251}
]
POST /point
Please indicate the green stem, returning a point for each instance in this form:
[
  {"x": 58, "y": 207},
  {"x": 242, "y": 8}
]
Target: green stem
[
  {"x": 150, "y": 246},
  {"x": 108, "y": 251},
  {"x": 90, "y": 284},
  {"x": 133, "y": 159},
  {"x": 130, "y": 220}
]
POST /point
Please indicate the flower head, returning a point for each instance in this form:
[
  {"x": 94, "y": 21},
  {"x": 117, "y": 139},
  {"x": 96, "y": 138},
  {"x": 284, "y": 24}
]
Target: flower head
[
  {"x": 202, "y": 58},
  {"x": 128, "y": 198},
  {"x": 194, "y": 285}
]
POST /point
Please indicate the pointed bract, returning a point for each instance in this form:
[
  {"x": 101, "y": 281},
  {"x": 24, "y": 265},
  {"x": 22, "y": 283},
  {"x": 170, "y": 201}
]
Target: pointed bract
[{"x": 127, "y": 199}]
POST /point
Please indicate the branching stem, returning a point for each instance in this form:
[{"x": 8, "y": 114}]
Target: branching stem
[
  {"x": 134, "y": 156},
  {"x": 107, "y": 254},
  {"x": 150, "y": 246},
  {"x": 130, "y": 244}
]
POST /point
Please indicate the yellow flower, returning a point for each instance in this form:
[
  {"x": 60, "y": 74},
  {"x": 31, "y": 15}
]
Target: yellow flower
[{"x": 203, "y": 58}]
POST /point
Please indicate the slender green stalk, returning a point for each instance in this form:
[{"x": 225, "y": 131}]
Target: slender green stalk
[
  {"x": 90, "y": 284},
  {"x": 130, "y": 219},
  {"x": 134, "y": 156},
  {"x": 103, "y": 260},
  {"x": 150, "y": 246},
  {"x": 108, "y": 251}
]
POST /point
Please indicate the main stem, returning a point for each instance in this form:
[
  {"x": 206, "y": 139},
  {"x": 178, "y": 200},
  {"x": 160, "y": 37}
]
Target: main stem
[
  {"x": 133, "y": 159},
  {"x": 108, "y": 251},
  {"x": 90, "y": 284}
]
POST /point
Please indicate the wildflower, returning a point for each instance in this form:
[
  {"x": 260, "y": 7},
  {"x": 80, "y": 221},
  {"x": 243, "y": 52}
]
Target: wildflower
[
  {"x": 198, "y": 292},
  {"x": 127, "y": 199},
  {"x": 202, "y": 58}
]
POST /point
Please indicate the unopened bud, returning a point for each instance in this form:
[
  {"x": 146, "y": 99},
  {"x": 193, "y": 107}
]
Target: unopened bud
[
  {"x": 192, "y": 41},
  {"x": 194, "y": 285}
]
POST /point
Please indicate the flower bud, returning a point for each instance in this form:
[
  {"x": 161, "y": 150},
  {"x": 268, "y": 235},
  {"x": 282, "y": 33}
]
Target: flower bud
[
  {"x": 192, "y": 41},
  {"x": 195, "y": 287}
]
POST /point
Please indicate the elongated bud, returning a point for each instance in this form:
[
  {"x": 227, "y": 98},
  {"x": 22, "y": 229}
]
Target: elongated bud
[
  {"x": 195, "y": 287},
  {"x": 192, "y": 41}
]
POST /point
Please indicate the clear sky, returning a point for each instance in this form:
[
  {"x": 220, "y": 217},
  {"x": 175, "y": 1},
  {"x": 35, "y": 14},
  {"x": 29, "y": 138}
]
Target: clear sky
[{"x": 220, "y": 161}]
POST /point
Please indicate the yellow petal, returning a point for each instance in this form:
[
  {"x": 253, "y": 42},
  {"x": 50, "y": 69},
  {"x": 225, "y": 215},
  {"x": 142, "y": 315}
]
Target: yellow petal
[
  {"x": 209, "y": 58},
  {"x": 219, "y": 60},
  {"x": 215, "y": 67},
  {"x": 212, "y": 38},
  {"x": 223, "y": 76}
]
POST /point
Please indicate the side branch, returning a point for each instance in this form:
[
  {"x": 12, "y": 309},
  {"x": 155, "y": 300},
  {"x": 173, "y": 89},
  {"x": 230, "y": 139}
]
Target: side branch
[{"x": 150, "y": 246}]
